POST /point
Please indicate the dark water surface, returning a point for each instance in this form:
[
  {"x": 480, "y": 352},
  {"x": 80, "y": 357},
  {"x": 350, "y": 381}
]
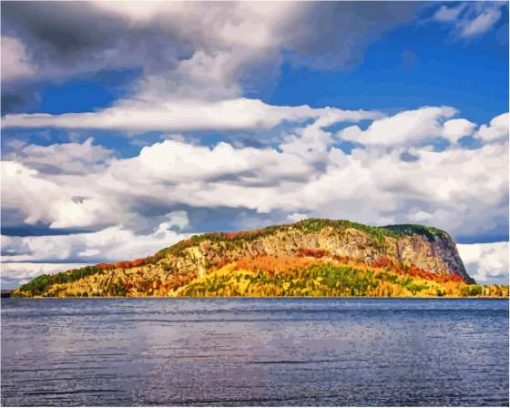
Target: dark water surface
[{"x": 254, "y": 352}]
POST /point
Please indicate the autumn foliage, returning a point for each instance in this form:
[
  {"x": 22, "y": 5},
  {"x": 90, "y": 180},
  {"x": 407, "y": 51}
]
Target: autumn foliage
[
  {"x": 282, "y": 260},
  {"x": 312, "y": 252}
]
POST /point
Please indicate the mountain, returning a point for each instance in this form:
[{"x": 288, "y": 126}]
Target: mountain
[{"x": 315, "y": 257}]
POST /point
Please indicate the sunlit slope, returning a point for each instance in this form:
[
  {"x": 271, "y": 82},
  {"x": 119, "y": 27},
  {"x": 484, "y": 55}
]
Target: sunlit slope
[{"x": 309, "y": 258}]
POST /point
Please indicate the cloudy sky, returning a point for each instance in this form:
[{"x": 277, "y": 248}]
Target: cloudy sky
[{"x": 128, "y": 126}]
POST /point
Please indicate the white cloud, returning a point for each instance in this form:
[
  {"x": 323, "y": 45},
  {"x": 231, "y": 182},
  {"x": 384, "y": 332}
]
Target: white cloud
[
  {"x": 158, "y": 36},
  {"x": 109, "y": 244},
  {"x": 177, "y": 219},
  {"x": 242, "y": 25},
  {"x": 419, "y": 127},
  {"x": 471, "y": 19},
  {"x": 14, "y": 274},
  {"x": 15, "y": 64},
  {"x": 61, "y": 202},
  {"x": 445, "y": 13},
  {"x": 404, "y": 128},
  {"x": 87, "y": 253},
  {"x": 454, "y": 129},
  {"x": 496, "y": 130},
  {"x": 378, "y": 188},
  {"x": 172, "y": 162},
  {"x": 197, "y": 61},
  {"x": 486, "y": 263},
  {"x": 310, "y": 143},
  {"x": 306, "y": 175},
  {"x": 481, "y": 23},
  {"x": 24, "y": 258},
  {"x": 295, "y": 217},
  {"x": 181, "y": 115},
  {"x": 69, "y": 158}
]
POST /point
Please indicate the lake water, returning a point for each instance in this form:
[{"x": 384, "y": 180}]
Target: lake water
[{"x": 254, "y": 352}]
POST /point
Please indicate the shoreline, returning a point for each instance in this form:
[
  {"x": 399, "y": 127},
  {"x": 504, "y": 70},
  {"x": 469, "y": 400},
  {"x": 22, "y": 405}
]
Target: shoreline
[{"x": 264, "y": 297}]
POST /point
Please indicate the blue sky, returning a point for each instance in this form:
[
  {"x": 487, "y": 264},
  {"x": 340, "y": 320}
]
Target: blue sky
[
  {"x": 417, "y": 66},
  {"x": 158, "y": 124}
]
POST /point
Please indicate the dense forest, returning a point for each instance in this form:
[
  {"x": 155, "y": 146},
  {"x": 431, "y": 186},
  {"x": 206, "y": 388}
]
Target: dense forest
[{"x": 310, "y": 258}]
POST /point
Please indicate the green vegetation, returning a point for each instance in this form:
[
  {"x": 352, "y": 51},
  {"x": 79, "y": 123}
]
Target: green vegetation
[
  {"x": 411, "y": 229},
  {"x": 40, "y": 284},
  {"x": 259, "y": 278},
  {"x": 377, "y": 233},
  {"x": 37, "y": 285},
  {"x": 328, "y": 280},
  {"x": 313, "y": 224}
]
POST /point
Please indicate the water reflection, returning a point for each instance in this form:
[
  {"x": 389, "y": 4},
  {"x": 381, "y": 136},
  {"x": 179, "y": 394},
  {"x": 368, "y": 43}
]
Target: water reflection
[{"x": 254, "y": 352}]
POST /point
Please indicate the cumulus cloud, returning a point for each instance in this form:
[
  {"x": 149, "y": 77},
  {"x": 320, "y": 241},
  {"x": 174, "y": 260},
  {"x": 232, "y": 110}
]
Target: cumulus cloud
[
  {"x": 496, "y": 130},
  {"x": 157, "y": 35},
  {"x": 61, "y": 44},
  {"x": 109, "y": 244},
  {"x": 68, "y": 158},
  {"x": 306, "y": 173},
  {"x": 486, "y": 263},
  {"x": 23, "y": 258},
  {"x": 420, "y": 127},
  {"x": 405, "y": 128},
  {"x": 134, "y": 206},
  {"x": 196, "y": 60},
  {"x": 172, "y": 162},
  {"x": 445, "y": 188},
  {"x": 13, "y": 274},
  {"x": 63, "y": 202},
  {"x": 454, "y": 129}
]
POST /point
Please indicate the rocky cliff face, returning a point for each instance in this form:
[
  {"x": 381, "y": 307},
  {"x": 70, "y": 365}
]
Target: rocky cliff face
[
  {"x": 406, "y": 248},
  {"x": 435, "y": 253}
]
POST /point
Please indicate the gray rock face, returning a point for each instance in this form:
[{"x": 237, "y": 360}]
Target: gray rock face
[{"x": 437, "y": 255}]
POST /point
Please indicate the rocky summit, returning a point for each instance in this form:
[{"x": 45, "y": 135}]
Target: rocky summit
[{"x": 315, "y": 257}]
